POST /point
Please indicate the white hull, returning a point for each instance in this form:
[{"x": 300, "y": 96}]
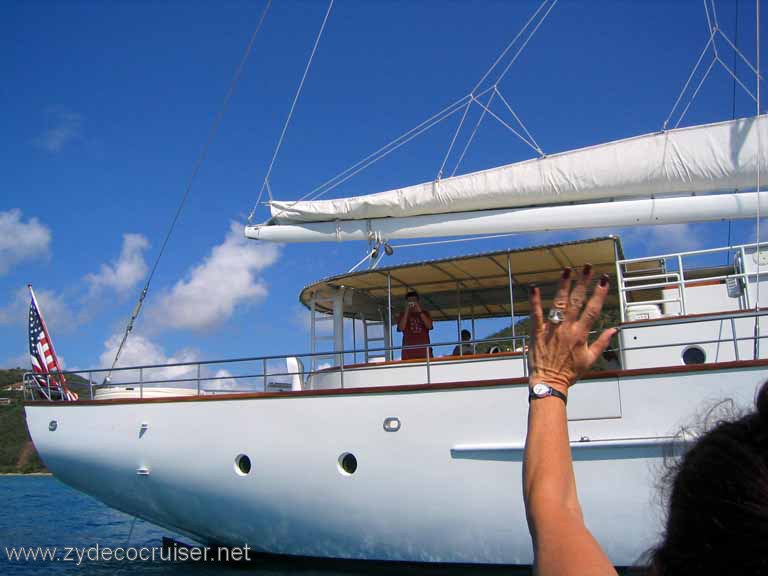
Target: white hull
[{"x": 445, "y": 488}]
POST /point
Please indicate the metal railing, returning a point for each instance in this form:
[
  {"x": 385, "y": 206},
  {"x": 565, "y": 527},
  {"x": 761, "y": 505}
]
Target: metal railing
[
  {"x": 260, "y": 373},
  {"x": 630, "y": 281}
]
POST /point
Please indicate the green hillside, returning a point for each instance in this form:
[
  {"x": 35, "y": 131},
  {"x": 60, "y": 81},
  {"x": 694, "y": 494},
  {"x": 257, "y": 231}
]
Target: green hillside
[{"x": 17, "y": 453}]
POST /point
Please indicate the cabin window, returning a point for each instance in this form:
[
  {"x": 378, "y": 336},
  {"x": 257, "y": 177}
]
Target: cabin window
[
  {"x": 347, "y": 464},
  {"x": 242, "y": 465},
  {"x": 694, "y": 355}
]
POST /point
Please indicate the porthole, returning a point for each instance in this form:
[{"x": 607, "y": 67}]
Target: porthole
[
  {"x": 242, "y": 465},
  {"x": 694, "y": 355},
  {"x": 347, "y": 464}
]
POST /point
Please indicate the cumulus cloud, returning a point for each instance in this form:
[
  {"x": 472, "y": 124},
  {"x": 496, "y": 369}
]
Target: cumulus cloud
[
  {"x": 124, "y": 273},
  {"x": 226, "y": 279},
  {"x": 58, "y": 316},
  {"x": 63, "y": 127},
  {"x": 141, "y": 351},
  {"x": 21, "y": 240}
]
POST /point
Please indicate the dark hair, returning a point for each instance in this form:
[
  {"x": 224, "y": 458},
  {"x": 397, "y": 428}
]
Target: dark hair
[
  {"x": 717, "y": 518},
  {"x": 466, "y": 334},
  {"x": 411, "y": 293}
]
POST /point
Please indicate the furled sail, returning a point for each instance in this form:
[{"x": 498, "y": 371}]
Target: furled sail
[{"x": 704, "y": 159}]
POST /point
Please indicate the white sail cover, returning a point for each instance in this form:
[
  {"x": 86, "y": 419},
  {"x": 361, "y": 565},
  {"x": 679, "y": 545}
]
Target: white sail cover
[{"x": 701, "y": 159}]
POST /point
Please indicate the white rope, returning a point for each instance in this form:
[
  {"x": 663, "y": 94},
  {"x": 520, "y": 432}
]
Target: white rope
[
  {"x": 356, "y": 168},
  {"x": 740, "y": 53},
  {"x": 453, "y": 140},
  {"x": 332, "y": 183},
  {"x": 190, "y": 182},
  {"x": 739, "y": 82},
  {"x": 696, "y": 92},
  {"x": 520, "y": 50},
  {"x": 506, "y": 125},
  {"x": 509, "y": 46},
  {"x": 453, "y": 241},
  {"x": 472, "y": 136},
  {"x": 265, "y": 184},
  {"x": 690, "y": 77},
  {"x": 504, "y": 100},
  {"x": 757, "y": 182}
]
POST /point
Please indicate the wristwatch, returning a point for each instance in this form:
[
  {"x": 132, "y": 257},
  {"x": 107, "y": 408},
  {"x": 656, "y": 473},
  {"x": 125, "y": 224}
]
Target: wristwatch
[{"x": 542, "y": 390}]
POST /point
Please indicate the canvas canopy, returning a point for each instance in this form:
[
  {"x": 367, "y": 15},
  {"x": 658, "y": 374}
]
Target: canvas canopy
[
  {"x": 467, "y": 286},
  {"x": 696, "y": 160}
]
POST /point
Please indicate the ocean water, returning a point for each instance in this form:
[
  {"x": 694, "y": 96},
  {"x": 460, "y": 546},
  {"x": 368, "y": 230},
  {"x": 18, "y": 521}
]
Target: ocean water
[{"x": 40, "y": 511}]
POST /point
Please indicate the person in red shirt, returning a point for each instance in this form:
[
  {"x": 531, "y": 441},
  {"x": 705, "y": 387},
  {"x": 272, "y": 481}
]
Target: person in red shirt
[{"x": 415, "y": 325}]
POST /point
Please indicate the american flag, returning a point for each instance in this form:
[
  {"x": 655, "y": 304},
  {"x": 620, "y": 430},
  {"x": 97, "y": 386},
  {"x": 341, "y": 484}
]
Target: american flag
[{"x": 43, "y": 356}]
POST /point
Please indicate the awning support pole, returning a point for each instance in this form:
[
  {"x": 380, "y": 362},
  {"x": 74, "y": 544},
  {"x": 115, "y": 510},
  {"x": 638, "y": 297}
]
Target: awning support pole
[
  {"x": 389, "y": 354},
  {"x": 511, "y": 299}
]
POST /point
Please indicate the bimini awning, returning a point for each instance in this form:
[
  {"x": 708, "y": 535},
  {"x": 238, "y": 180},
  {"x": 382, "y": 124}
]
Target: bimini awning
[{"x": 474, "y": 286}]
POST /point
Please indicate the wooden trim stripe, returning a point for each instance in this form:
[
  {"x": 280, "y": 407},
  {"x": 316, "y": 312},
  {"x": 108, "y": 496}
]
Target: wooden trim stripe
[{"x": 409, "y": 387}]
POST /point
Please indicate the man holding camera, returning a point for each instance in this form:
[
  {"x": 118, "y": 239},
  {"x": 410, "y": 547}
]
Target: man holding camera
[{"x": 415, "y": 325}]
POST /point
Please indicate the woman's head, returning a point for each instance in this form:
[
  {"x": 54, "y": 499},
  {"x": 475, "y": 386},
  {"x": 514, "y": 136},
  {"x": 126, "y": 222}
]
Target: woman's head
[{"x": 717, "y": 519}]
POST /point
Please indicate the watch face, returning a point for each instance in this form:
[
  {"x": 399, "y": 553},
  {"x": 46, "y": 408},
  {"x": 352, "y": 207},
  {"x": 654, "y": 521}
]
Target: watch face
[{"x": 540, "y": 389}]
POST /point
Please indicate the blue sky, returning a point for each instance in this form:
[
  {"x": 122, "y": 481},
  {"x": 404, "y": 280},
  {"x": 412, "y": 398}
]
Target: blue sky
[{"x": 108, "y": 104}]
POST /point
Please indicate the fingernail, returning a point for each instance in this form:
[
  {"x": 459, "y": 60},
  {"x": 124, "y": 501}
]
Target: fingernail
[
  {"x": 566, "y": 273},
  {"x": 531, "y": 288},
  {"x": 587, "y": 269},
  {"x": 604, "y": 280}
]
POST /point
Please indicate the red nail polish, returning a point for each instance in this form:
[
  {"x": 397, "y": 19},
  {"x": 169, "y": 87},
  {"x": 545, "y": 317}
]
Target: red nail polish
[
  {"x": 587, "y": 269},
  {"x": 531, "y": 288},
  {"x": 604, "y": 280},
  {"x": 566, "y": 273}
]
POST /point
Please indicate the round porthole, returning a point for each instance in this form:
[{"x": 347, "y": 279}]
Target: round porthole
[
  {"x": 347, "y": 464},
  {"x": 694, "y": 355},
  {"x": 242, "y": 465}
]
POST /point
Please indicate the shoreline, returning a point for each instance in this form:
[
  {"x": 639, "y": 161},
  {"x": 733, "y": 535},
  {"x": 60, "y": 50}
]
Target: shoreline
[{"x": 26, "y": 474}]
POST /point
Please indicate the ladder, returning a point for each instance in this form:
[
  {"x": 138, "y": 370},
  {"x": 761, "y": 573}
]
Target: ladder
[{"x": 321, "y": 340}]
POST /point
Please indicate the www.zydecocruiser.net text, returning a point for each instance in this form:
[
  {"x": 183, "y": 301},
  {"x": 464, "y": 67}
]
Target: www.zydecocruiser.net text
[{"x": 78, "y": 555}]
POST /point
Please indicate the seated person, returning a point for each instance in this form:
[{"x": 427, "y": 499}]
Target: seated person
[
  {"x": 465, "y": 348},
  {"x": 415, "y": 325}
]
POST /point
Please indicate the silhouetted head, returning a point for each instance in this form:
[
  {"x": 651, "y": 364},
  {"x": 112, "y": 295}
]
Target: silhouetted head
[
  {"x": 466, "y": 335},
  {"x": 717, "y": 518},
  {"x": 412, "y": 296}
]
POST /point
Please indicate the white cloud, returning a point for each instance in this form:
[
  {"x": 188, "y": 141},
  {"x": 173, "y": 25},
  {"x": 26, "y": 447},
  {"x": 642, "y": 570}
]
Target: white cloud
[
  {"x": 56, "y": 312},
  {"x": 21, "y": 240},
  {"x": 226, "y": 279},
  {"x": 63, "y": 127},
  {"x": 125, "y": 272},
  {"x": 141, "y": 351}
]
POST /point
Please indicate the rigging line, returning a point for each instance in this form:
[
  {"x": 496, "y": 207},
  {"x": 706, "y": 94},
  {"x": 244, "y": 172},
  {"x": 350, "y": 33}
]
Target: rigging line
[
  {"x": 706, "y": 14},
  {"x": 453, "y": 140},
  {"x": 690, "y": 77},
  {"x": 733, "y": 75},
  {"x": 757, "y": 183},
  {"x": 387, "y": 153},
  {"x": 735, "y": 53},
  {"x": 479, "y": 83},
  {"x": 520, "y": 50},
  {"x": 509, "y": 46},
  {"x": 504, "y": 100},
  {"x": 474, "y": 132},
  {"x": 696, "y": 92},
  {"x": 290, "y": 112},
  {"x": 454, "y": 240},
  {"x": 381, "y": 152},
  {"x": 740, "y": 53},
  {"x": 192, "y": 177},
  {"x": 506, "y": 125},
  {"x": 342, "y": 176}
]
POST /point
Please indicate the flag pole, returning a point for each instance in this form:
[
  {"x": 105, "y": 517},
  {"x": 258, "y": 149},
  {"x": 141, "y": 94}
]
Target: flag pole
[{"x": 62, "y": 380}]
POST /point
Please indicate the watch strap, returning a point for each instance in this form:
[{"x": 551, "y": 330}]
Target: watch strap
[{"x": 551, "y": 392}]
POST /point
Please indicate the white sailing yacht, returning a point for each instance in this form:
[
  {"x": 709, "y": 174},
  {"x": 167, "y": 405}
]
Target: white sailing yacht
[{"x": 351, "y": 452}]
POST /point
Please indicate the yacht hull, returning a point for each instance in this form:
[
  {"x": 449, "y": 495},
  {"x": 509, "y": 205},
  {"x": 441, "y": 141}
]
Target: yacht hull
[{"x": 445, "y": 487}]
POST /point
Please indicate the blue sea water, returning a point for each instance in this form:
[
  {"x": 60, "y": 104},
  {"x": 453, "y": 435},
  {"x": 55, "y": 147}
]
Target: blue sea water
[{"x": 40, "y": 511}]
